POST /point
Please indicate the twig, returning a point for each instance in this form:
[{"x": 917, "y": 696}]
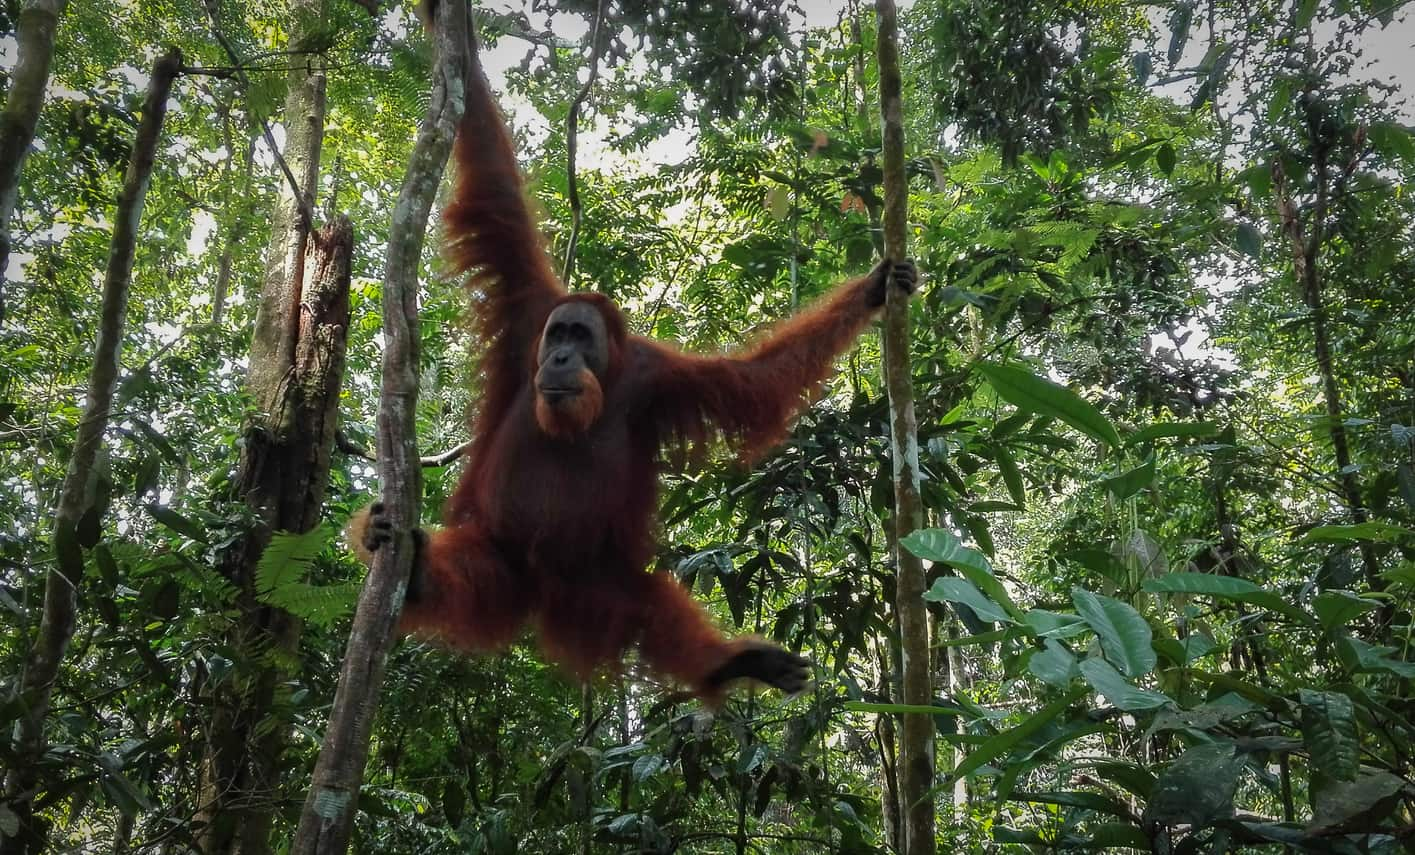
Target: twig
[{"x": 572, "y": 135}]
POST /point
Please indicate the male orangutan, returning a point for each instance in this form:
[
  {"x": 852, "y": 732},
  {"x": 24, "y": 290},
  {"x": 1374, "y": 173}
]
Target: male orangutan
[{"x": 552, "y": 520}]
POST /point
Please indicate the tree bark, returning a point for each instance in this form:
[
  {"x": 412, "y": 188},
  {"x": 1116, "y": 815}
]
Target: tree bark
[
  {"x": 1306, "y": 244},
  {"x": 296, "y": 371},
  {"x": 76, "y": 495},
  {"x": 327, "y": 821},
  {"x": 34, "y": 34},
  {"x": 916, "y": 742}
]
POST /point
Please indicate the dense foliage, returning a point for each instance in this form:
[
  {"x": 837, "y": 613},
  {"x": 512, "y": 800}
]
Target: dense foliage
[{"x": 1164, "y": 363}]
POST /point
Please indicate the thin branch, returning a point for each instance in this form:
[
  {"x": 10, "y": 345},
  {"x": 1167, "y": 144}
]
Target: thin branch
[
  {"x": 301, "y": 201},
  {"x": 344, "y": 443},
  {"x": 572, "y": 137}
]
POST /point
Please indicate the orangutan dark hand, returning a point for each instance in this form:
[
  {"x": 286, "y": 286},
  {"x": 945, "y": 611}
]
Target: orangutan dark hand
[{"x": 904, "y": 274}]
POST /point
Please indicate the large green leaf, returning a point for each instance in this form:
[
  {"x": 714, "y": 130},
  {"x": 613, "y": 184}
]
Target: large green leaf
[
  {"x": 1172, "y": 429},
  {"x": 1023, "y": 389},
  {"x": 1124, "y": 634},
  {"x": 1373, "y": 530},
  {"x": 1053, "y": 664},
  {"x": 1335, "y": 609},
  {"x": 955, "y": 590},
  {"x": 940, "y": 546},
  {"x": 1120, "y": 692},
  {"x": 1198, "y": 788},
  {"x": 1329, "y": 732},
  {"x": 1225, "y": 588},
  {"x": 1127, "y": 484}
]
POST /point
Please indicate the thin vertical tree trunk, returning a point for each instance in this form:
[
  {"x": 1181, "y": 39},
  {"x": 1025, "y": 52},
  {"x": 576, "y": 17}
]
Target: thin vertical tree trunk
[
  {"x": 1306, "y": 244},
  {"x": 56, "y": 627},
  {"x": 233, "y": 233},
  {"x": 34, "y": 35},
  {"x": 916, "y": 737},
  {"x": 327, "y": 820}
]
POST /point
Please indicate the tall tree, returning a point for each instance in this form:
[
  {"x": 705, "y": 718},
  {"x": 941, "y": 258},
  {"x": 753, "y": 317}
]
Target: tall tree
[
  {"x": 295, "y": 372},
  {"x": 76, "y": 519},
  {"x": 916, "y": 737},
  {"x": 34, "y": 35}
]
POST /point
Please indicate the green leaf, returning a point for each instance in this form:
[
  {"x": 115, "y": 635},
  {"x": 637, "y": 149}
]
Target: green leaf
[
  {"x": 1011, "y": 475},
  {"x": 1083, "y": 800},
  {"x": 1249, "y": 240},
  {"x": 1336, "y": 609},
  {"x": 955, "y": 590},
  {"x": 1027, "y": 391},
  {"x": 177, "y": 522},
  {"x": 1329, "y": 732},
  {"x": 1358, "y": 805},
  {"x": 647, "y": 766},
  {"x": 1165, "y": 158},
  {"x": 998, "y": 745},
  {"x": 940, "y": 546},
  {"x": 1054, "y": 664},
  {"x": 1357, "y": 655},
  {"x": 1120, "y": 692},
  {"x": 1127, "y": 484},
  {"x": 1124, "y": 634},
  {"x": 1054, "y": 625},
  {"x": 1198, "y": 788},
  {"x": 1392, "y": 141},
  {"x": 1373, "y": 530},
  {"x": 1226, "y": 588},
  {"x": 1172, "y": 429}
]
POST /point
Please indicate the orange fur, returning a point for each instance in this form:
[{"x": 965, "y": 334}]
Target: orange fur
[
  {"x": 559, "y": 533},
  {"x": 574, "y": 416}
]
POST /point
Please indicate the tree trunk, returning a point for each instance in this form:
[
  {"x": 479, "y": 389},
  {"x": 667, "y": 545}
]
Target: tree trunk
[
  {"x": 327, "y": 821},
  {"x": 34, "y": 34},
  {"x": 916, "y": 742},
  {"x": 233, "y": 233},
  {"x": 1306, "y": 244},
  {"x": 296, "y": 370},
  {"x": 283, "y": 476},
  {"x": 76, "y": 495}
]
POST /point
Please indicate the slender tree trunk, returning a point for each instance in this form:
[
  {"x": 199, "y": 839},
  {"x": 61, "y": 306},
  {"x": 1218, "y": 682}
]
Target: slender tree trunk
[
  {"x": 888, "y": 757},
  {"x": 295, "y": 372},
  {"x": 76, "y": 498},
  {"x": 34, "y": 34},
  {"x": 916, "y": 742},
  {"x": 1306, "y": 244},
  {"x": 327, "y": 821},
  {"x": 234, "y": 231}
]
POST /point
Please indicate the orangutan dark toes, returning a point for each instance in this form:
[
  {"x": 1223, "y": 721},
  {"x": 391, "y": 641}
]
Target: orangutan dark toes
[
  {"x": 765, "y": 663},
  {"x": 380, "y": 528}
]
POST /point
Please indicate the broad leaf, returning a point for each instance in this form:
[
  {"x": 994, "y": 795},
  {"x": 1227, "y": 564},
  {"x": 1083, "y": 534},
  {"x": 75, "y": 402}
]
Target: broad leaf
[
  {"x": 1172, "y": 429},
  {"x": 955, "y": 590},
  {"x": 1124, "y": 634},
  {"x": 1127, "y": 484},
  {"x": 1198, "y": 788},
  {"x": 1027, "y": 391},
  {"x": 1053, "y": 664},
  {"x": 1329, "y": 732},
  {"x": 1107, "y": 681},
  {"x": 1335, "y": 609}
]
